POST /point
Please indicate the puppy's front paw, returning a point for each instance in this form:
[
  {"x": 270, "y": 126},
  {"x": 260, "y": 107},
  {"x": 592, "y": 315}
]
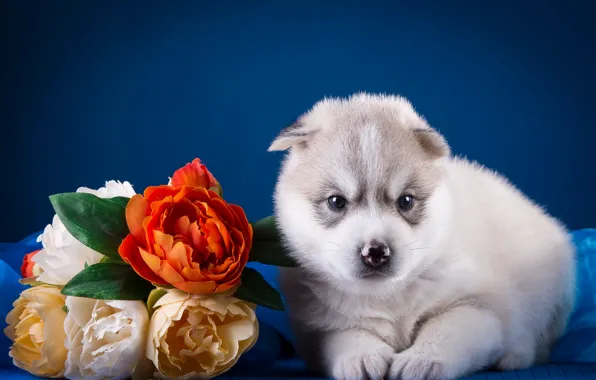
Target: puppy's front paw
[
  {"x": 413, "y": 366},
  {"x": 356, "y": 366}
]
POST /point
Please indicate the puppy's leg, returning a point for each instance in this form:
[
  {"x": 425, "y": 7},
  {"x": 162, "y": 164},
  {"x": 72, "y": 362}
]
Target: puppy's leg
[
  {"x": 355, "y": 355},
  {"x": 451, "y": 345}
]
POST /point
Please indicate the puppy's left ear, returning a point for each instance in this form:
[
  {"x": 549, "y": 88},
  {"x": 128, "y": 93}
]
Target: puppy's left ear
[
  {"x": 296, "y": 134},
  {"x": 433, "y": 143}
]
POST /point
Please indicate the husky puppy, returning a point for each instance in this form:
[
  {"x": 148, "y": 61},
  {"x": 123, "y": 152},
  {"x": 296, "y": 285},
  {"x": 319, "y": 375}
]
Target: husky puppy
[{"x": 413, "y": 264}]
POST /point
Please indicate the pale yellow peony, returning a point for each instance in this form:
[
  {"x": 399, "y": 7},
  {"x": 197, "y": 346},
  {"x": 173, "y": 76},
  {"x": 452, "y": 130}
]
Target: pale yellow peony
[
  {"x": 194, "y": 336},
  {"x": 35, "y": 326}
]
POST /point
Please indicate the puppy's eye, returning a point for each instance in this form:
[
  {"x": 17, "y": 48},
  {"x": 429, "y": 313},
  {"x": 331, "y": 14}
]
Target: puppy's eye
[
  {"x": 337, "y": 202},
  {"x": 405, "y": 202}
]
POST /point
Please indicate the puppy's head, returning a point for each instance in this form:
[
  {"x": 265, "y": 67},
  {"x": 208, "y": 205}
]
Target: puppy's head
[{"x": 356, "y": 197}]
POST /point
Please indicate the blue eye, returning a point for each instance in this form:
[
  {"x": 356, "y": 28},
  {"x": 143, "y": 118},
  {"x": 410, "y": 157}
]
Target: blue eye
[
  {"x": 337, "y": 202},
  {"x": 405, "y": 202}
]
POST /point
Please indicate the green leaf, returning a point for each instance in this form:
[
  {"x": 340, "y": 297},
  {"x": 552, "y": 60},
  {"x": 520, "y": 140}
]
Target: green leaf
[
  {"x": 217, "y": 189},
  {"x": 122, "y": 201},
  {"x": 109, "y": 282},
  {"x": 267, "y": 247},
  {"x": 266, "y": 227},
  {"x": 31, "y": 281},
  {"x": 153, "y": 297},
  {"x": 65, "y": 309},
  {"x": 98, "y": 223},
  {"x": 110, "y": 260},
  {"x": 254, "y": 288}
]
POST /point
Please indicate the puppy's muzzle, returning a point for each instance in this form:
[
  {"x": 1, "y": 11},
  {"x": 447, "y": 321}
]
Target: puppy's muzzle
[{"x": 375, "y": 254}]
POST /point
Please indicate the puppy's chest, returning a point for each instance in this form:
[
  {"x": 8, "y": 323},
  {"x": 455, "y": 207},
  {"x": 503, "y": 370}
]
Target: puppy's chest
[{"x": 394, "y": 320}]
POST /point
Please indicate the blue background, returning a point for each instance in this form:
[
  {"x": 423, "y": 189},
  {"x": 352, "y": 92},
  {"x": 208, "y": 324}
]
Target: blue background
[{"x": 93, "y": 91}]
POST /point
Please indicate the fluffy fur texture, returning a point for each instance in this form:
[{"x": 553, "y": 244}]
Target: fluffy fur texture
[{"x": 478, "y": 275}]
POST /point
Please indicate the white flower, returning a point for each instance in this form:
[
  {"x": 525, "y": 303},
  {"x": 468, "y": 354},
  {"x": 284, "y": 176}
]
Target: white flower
[
  {"x": 105, "y": 339},
  {"x": 63, "y": 256},
  {"x": 112, "y": 189}
]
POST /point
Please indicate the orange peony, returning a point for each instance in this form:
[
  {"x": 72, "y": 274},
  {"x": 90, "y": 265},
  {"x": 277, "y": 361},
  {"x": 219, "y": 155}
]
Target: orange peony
[
  {"x": 30, "y": 268},
  {"x": 188, "y": 237},
  {"x": 194, "y": 174}
]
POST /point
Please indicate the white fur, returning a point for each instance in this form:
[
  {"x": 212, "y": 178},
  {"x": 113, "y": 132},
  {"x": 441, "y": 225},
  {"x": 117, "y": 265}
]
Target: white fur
[{"x": 486, "y": 280}]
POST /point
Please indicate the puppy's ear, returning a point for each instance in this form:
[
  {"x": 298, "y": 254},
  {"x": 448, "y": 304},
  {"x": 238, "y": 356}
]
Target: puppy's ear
[
  {"x": 432, "y": 142},
  {"x": 296, "y": 134}
]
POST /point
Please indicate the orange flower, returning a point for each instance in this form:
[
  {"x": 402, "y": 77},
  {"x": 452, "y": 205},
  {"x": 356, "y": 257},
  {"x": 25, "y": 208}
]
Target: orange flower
[
  {"x": 188, "y": 237},
  {"x": 30, "y": 268},
  {"x": 194, "y": 174}
]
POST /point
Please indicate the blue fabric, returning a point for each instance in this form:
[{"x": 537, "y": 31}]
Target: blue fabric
[
  {"x": 573, "y": 357},
  {"x": 294, "y": 369},
  {"x": 579, "y": 342}
]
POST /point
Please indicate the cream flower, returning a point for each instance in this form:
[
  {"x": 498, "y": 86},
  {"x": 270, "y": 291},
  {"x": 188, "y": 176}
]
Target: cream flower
[
  {"x": 35, "y": 326},
  {"x": 63, "y": 256},
  {"x": 111, "y": 189},
  {"x": 105, "y": 339},
  {"x": 193, "y": 336}
]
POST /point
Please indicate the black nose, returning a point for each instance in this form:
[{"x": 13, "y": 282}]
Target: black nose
[{"x": 375, "y": 254}]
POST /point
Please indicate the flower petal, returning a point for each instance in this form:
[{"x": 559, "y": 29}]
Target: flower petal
[
  {"x": 158, "y": 193},
  {"x": 193, "y": 275},
  {"x": 36, "y": 328},
  {"x": 196, "y": 336},
  {"x": 105, "y": 339},
  {"x": 169, "y": 274},
  {"x": 136, "y": 211},
  {"x": 177, "y": 257},
  {"x": 206, "y": 287},
  {"x": 193, "y": 174},
  {"x": 130, "y": 253},
  {"x": 243, "y": 222},
  {"x": 28, "y": 264},
  {"x": 182, "y": 225},
  {"x": 165, "y": 241}
]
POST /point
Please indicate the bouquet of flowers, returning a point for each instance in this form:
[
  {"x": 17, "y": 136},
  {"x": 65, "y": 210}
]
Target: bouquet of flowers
[{"x": 151, "y": 285}]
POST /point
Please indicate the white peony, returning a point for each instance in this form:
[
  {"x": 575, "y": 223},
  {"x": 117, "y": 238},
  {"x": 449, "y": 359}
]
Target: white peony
[
  {"x": 63, "y": 256},
  {"x": 105, "y": 339},
  {"x": 112, "y": 189}
]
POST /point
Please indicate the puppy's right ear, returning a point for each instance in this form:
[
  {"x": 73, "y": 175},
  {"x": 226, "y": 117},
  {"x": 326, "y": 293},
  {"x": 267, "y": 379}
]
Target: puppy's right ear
[{"x": 296, "y": 134}]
